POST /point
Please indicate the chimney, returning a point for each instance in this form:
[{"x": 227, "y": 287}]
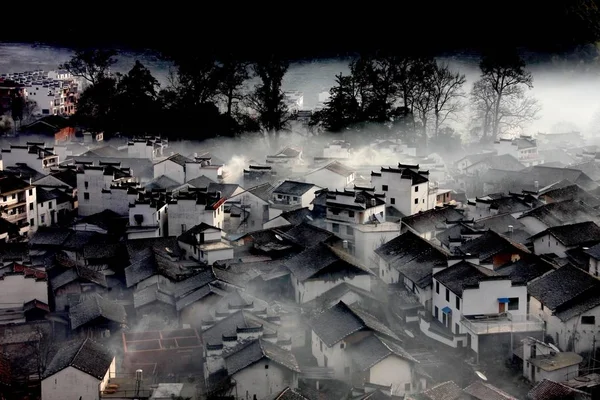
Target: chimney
[
  {"x": 345, "y": 244},
  {"x": 373, "y": 202},
  {"x": 214, "y": 357},
  {"x": 536, "y": 185},
  {"x": 510, "y": 229}
]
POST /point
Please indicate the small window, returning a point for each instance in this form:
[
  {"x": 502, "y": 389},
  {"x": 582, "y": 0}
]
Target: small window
[
  {"x": 31, "y": 192},
  {"x": 416, "y": 201},
  {"x": 30, "y": 206},
  {"x": 351, "y": 214},
  {"x": 321, "y": 345},
  {"x": 86, "y": 184},
  {"x": 3, "y": 198},
  {"x": 437, "y": 287},
  {"x": 342, "y": 345},
  {"x": 416, "y": 189},
  {"x": 384, "y": 188},
  {"x": 266, "y": 366},
  {"x": 43, "y": 219},
  {"x": 349, "y": 230},
  {"x": 447, "y": 294},
  {"x": 14, "y": 196},
  {"x": 86, "y": 196},
  {"x": 335, "y": 228},
  {"x": 31, "y": 222},
  {"x": 458, "y": 303},
  {"x": 50, "y": 205},
  {"x": 588, "y": 320},
  {"x": 436, "y": 312},
  {"x": 456, "y": 328},
  {"x": 513, "y": 303},
  {"x": 392, "y": 200},
  {"x": 407, "y": 387},
  {"x": 183, "y": 228}
]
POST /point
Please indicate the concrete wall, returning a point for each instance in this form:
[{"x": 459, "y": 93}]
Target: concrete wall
[
  {"x": 171, "y": 170},
  {"x": 262, "y": 382},
  {"x": 549, "y": 244},
  {"x": 484, "y": 300},
  {"x": 308, "y": 290},
  {"x": 392, "y": 371},
  {"x": 70, "y": 383},
  {"x": 18, "y": 290}
]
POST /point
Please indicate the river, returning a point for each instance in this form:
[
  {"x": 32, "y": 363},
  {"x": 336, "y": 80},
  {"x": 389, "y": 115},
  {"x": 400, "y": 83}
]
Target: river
[{"x": 566, "y": 91}]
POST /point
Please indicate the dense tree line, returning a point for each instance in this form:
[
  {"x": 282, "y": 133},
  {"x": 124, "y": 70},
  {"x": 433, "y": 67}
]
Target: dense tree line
[{"x": 205, "y": 97}]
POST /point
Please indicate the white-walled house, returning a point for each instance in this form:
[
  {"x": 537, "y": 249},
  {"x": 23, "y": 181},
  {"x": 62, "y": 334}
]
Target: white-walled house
[
  {"x": 322, "y": 267},
  {"x": 150, "y": 148},
  {"x": 19, "y": 199},
  {"x": 47, "y": 208},
  {"x": 35, "y": 155},
  {"x": 182, "y": 169},
  {"x": 205, "y": 243},
  {"x": 80, "y": 370},
  {"x": 405, "y": 187},
  {"x": 147, "y": 217},
  {"x": 288, "y": 157},
  {"x": 464, "y": 292},
  {"x": 291, "y": 195},
  {"x": 568, "y": 301},
  {"x": 254, "y": 202},
  {"x": 191, "y": 208},
  {"x": 333, "y": 176},
  {"x": 335, "y": 345},
  {"x": 20, "y": 285},
  {"x": 541, "y": 361},
  {"x": 103, "y": 187},
  {"x": 337, "y": 149},
  {"x": 559, "y": 239},
  {"x": 524, "y": 148},
  {"x": 557, "y": 213}
]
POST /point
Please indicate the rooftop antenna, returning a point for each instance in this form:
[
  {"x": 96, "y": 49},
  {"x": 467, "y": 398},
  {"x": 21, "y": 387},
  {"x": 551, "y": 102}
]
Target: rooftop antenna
[
  {"x": 553, "y": 347},
  {"x": 409, "y": 334},
  {"x": 278, "y": 238},
  {"x": 138, "y": 381},
  {"x": 481, "y": 375}
]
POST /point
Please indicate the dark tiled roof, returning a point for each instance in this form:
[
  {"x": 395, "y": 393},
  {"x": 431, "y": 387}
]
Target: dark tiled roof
[
  {"x": 262, "y": 191},
  {"x": 200, "y": 182},
  {"x": 290, "y": 394},
  {"x": 572, "y": 192},
  {"x": 567, "y": 291},
  {"x": 427, "y": 221},
  {"x": 293, "y": 188},
  {"x": 94, "y": 307},
  {"x": 150, "y": 294},
  {"x": 573, "y": 234},
  {"x": 504, "y": 162},
  {"x": 594, "y": 251},
  {"x": 87, "y": 356},
  {"x": 45, "y": 236},
  {"x": 484, "y": 391},
  {"x": 162, "y": 182},
  {"x": 334, "y": 295},
  {"x": 562, "y": 212},
  {"x": 490, "y": 244},
  {"x": 443, "y": 391},
  {"x": 189, "y": 236},
  {"x": 10, "y": 183},
  {"x": 296, "y": 217},
  {"x": 525, "y": 270},
  {"x": 322, "y": 259},
  {"x": 177, "y": 159},
  {"x": 374, "y": 349},
  {"x": 462, "y": 275},
  {"x": 500, "y": 223},
  {"x": 256, "y": 351},
  {"x": 307, "y": 235},
  {"x": 341, "y": 320},
  {"x": 82, "y": 273},
  {"x": 550, "y": 390},
  {"x": 202, "y": 278},
  {"x": 226, "y": 189},
  {"x": 229, "y": 325}
]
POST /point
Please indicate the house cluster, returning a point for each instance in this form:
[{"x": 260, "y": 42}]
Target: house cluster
[
  {"x": 132, "y": 272},
  {"x": 53, "y": 92}
]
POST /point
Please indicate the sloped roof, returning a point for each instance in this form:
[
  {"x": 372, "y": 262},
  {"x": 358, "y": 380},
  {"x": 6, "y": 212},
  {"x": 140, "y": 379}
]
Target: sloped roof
[
  {"x": 490, "y": 244},
  {"x": 189, "y": 236},
  {"x": 461, "y": 275},
  {"x": 562, "y": 212},
  {"x": 572, "y": 192},
  {"x": 443, "y": 391},
  {"x": 257, "y": 350},
  {"x": 200, "y": 182},
  {"x": 573, "y": 234},
  {"x": 550, "y": 390},
  {"x": 94, "y": 307},
  {"x": 504, "y": 162},
  {"x": 87, "y": 356},
  {"x": 293, "y": 188},
  {"x": 177, "y": 159},
  {"x": 162, "y": 182},
  {"x": 373, "y": 349},
  {"x": 342, "y": 320},
  {"x": 427, "y": 221},
  {"x": 324, "y": 259}
]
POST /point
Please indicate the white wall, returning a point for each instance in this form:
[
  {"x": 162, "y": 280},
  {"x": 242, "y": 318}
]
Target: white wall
[
  {"x": 563, "y": 332},
  {"x": 45, "y": 211},
  {"x": 70, "y": 383},
  {"x": 18, "y": 290},
  {"x": 258, "y": 208},
  {"x": 171, "y": 170},
  {"x": 21, "y": 154},
  {"x": 403, "y": 192},
  {"x": 549, "y": 244},
  {"x": 368, "y": 238},
  {"x": 392, "y": 371},
  {"x": 337, "y": 357},
  {"x": 484, "y": 300},
  {"x": 308, "y": 290},
  {"x": 328, "y": 179},
  {"x": 187, "y": 212},
  {"x": 309, "y": 196},
  {"x": 265, "y": 383},
  {"x": 215, "y": 255}
]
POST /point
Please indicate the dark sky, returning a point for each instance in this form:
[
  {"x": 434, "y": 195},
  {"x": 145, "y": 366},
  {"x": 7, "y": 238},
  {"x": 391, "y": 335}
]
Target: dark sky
[{"x": 298, "y": 30}]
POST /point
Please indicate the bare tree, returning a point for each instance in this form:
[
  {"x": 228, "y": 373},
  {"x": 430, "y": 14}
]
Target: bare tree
[
  {"x": 422, "y": 93},
  {"x": 91, "y": 65},
  {"x": 232, "y": 73},
  {"x": 504, "y": 76},
  {"x": 446, "y": 92},
  {"x": 482, "y": 106}
]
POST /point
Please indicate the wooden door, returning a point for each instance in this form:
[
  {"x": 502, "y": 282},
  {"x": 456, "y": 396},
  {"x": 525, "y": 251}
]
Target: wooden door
[{"x": 501, "y": 307}]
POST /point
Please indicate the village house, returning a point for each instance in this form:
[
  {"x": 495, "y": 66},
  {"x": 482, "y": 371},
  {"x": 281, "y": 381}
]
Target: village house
[
  {"x": 80, "y": 370},
  {"x": 249, "y": 209},
  {"x": 18, "y": 204},
  {"x": 105, "y": 186},
  {"x": 568, "y": 301},
  {"x": 406, "y": 188},
  {"x": 258, "y": 174},
  {"x": 147, "y": 217},
  {"x": 287, "y": 158},
  {"x": 556, "y": 214},
  {"x": 55, "y": 126},
  {"x": 337, "y": 149},
  {"x": 333, "y": 176},
  {"x": 95, "y": 316},
  {"x": 205, "y": 244},
  {"x": 293, "y": 217},
  {"x": 442, "y": 391},
  {"x": 23, "y": 294},
  {"x": 46, "y": 207},
  {"x": 543, "y": 361},
  {"x": 322, "y": 267},
  {"x": 570, "y": 192},
  {"x": 559, "y": 239},
  {"x": 193, "y": 207},
  {"x": 35, "y": 155},
  {"x": 476, "y": 304},
  {"x": 410, "y": 260},
  {"x": 524, "y": 148},
  {"x": 65, "y": 195},
  {"x": 148, "y": 148},
  {"x": 182, "y": 169},
  {"x": 291, "y": 195},
  {"x": 471, "y": 159},
  {"x": 505, "y": 162},
  {"x": 550, "y": 390},
  {"x": 428, "y": 224},
  {"x": 493, "y": 250},
  {"x": 498, "y": 204}
]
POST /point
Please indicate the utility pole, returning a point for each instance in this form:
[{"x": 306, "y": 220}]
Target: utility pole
[{"x": 593, "y": 355}]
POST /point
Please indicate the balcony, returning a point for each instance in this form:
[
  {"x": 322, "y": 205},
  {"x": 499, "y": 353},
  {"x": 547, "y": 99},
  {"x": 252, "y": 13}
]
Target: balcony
[
  {"x": 343, "y": 217},
  {"x": 15, "y": 217},
  {"x": 502, "y": 323}
]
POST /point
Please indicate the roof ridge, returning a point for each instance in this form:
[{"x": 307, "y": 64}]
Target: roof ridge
[{"x": 78, "y": 351}]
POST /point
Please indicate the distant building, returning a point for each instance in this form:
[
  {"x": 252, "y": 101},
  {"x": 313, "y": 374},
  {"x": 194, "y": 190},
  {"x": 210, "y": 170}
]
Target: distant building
[
  {"x": 542, "y": 361},
  {"x": 333, "y": 176},
  {"x": 291, "y": 195},
  {"x": 191, "y": 208},
  {"x": 524, "y": 148},
  {"x": 147, "y": 217},
  {"x": 258, "y": 174},
  {"x": 18, "y": 200},
  {"x": 55, "y": 126},
  {"x": 406, "y": 188},
  {"x": 205, "y": 244},
  {"x": 147, "y": 147},
  {"x": 34, "y": 154}
]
